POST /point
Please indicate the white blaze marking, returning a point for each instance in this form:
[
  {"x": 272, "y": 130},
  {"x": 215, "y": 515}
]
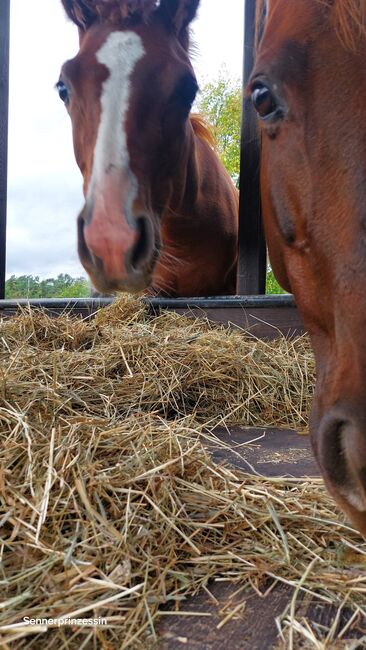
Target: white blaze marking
[{"x": 120, "y": 53}]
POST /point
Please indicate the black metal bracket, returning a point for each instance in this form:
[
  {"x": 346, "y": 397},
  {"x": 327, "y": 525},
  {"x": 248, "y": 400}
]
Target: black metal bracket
[
  {"x": 252, "y": 246},
  {"x": 4, "y": 111}
]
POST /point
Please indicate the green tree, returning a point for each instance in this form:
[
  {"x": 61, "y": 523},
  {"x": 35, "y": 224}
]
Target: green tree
[
  {"x": 64, "y": 286},
  {"x": 220, "y": 103},
  {"x": 80, "y": 288}
]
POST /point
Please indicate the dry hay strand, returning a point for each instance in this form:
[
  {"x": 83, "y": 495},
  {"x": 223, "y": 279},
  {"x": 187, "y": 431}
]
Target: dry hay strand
[{"x": 111, "y": 507}]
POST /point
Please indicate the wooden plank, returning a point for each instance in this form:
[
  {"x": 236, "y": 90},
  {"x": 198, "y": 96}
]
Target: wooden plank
[
  {"x": 265, "y": 317},
  {"x": 252, "y": 247},
  {"x": 4, "y": 108},
  {"x": 260, "y": 323},
  {"x": 255, "y": 629},
  {"x": 83, "y": 307}
]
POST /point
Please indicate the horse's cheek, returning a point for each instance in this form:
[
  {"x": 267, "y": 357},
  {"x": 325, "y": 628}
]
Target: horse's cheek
[{"x": 272, "y": 233}]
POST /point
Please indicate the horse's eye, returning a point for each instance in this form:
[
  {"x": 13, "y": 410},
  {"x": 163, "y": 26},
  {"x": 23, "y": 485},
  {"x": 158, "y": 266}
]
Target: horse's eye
[
  {"x": 263, "y": 101},
  {"x": 62, "y": 91},
  {"x": 189, "y": 90},
  {"x": 185, "y": 91}
]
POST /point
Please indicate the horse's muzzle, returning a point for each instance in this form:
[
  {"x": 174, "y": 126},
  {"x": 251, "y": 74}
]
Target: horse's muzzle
[
  {"x": 117, "y": 257},
  {"x": 340, "y": 446}
]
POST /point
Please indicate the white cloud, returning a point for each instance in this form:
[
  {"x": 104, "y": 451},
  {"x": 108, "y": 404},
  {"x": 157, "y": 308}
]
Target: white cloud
[{"x": 44, "y": 194}]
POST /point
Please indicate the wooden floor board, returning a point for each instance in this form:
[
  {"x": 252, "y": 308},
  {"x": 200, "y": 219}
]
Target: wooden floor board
[
  {"x": 255, "y": 629},
  {"x": 271, "y": 452}
]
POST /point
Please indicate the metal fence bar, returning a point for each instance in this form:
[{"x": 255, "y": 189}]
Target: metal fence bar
[
  {"x": 252, "y": 247},
  {"x": 213, "y": 302},
  {"x": 4, "y": 108}
]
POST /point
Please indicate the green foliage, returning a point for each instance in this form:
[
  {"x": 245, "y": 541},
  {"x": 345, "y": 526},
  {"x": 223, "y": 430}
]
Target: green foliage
[
  {"x": 272, "y": 285},
  {"x": 64, "y": 286},
  {"x": 220, "y": 104},
  {"x": 29, "y": 286}
]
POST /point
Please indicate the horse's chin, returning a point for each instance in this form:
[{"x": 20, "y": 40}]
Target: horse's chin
[
  {"x": 136, "y": 284},
  {"x": 355, "y": 516}
]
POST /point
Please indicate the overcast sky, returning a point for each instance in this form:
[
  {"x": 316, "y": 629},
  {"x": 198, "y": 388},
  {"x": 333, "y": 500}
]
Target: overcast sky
[{"x": 44, "y": 188}]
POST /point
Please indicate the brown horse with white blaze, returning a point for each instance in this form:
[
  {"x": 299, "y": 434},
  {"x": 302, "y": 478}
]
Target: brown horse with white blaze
[
  {"x": 160, "y": 210},
  {"x": 309, "y": 89}
]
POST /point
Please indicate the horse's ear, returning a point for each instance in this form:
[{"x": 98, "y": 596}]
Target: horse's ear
[
  {"x": 81, "y": 12},
  {"x": 178, "y": 14}
]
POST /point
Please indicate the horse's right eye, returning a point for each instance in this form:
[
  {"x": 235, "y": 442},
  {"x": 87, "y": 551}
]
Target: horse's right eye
[
  {"x": 264, "y": 102},
  {"x": 62, "y": 91}
]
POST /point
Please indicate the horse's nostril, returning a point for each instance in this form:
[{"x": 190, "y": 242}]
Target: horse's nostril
[
  {"x": 332, "y": 453},
  {"x": 142, "y": 250}
]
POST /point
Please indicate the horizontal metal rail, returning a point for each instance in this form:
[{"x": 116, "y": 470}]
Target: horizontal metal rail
[{"x": 219, "y": 302}]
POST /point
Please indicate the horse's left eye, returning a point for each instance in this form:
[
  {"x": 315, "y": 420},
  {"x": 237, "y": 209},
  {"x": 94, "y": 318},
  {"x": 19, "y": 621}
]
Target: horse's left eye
[
  {"x": 185, "y": 91},
  {"x": 263, "y": 101},
  {"x": 62, "y": 91}
]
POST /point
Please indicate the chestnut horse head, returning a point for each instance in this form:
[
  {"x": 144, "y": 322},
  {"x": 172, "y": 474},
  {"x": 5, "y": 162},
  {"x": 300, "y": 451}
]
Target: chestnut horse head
[
  {"x": 309, "y": 89},
  {"x": 129, "y": 92}
]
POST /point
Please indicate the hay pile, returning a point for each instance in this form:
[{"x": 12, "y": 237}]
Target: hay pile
[
  {"x": 126, "y": 361},
  {"x": 109, "y": 504}
]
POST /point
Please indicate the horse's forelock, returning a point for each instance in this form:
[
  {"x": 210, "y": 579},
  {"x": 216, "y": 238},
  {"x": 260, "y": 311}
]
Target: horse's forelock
[
  {"x": 81, "y": 12},
  {"x": 350, "y": 20},
  {"x": 113, "y": 11},
  {"x": 116, "y": 10}
]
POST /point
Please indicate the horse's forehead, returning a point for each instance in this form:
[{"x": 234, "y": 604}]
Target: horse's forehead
[
  {"x": 105, "y": 46},
  {"x": 287, "y": 30},
  {"x": 121, "y": 50},
  {"x": 294, "y": 18}
]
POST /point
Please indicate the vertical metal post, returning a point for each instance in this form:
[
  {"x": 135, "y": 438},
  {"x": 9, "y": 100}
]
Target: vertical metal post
[
  {"x": 252, "y": 247},
  {"x": 4, "y": 108}
]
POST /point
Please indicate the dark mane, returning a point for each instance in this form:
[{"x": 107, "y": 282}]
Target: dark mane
[
  {"x": 348, "y": 16},
  {"x": 112, "y": 11}
]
